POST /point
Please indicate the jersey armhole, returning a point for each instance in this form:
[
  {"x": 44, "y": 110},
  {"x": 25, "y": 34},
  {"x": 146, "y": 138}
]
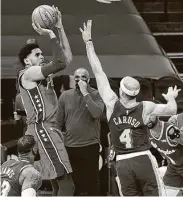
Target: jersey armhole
[
  {"x": 161, "y": 134},
  {"x": 112, "y": 110},
  {"x": 20, "y": 80},
  {"x": 143, "y": 111}
]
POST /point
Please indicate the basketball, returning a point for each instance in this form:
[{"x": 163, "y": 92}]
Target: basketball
[{"x": 45, "y": 16}]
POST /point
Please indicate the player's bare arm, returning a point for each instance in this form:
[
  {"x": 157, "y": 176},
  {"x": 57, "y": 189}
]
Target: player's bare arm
[
  {"x": 168, "y": 109},
  {"x": 62, "y": 36},
  {"x": 31, "y": 181},
  {"x": 107, "y": 94}
]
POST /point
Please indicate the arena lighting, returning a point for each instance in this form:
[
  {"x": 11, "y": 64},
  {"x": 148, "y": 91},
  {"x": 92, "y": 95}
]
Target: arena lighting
[
  {"x": 103, "y": 1},
  {"x": 107, "y": 1}
]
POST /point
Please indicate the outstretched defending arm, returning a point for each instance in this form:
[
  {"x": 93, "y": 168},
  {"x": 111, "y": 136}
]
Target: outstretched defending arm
[
  {"x": 107, "y": 94},
  {"x": 169, "y": 109}
]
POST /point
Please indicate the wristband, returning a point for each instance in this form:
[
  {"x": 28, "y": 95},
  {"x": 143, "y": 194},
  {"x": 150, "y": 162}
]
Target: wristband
[
  {"x": 88, "y": 40},
  {"x": 85, "y": 94}
]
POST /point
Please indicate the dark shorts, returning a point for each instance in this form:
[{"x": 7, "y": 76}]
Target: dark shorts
[
  {"x": 54, "y": 160},
  {"x": 174, "y": 176},
  {"x": 139, "y": 175}
]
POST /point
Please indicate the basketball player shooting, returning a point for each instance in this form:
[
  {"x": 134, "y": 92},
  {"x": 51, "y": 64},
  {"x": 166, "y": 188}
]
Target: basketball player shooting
[
  {"x": 40, "y": 103},
  {"x": 127, "y": 121}
]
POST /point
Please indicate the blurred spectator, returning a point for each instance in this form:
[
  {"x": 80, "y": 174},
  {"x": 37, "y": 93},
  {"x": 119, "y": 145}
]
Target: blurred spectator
[{"x": 78, "y": 116}]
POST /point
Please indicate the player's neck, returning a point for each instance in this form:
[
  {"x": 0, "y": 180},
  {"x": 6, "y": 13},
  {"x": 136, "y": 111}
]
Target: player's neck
[
  {"x": 25, "y": 157},
  {"x": 128, "y": 103},
  {"x": 27, "y": 66}
]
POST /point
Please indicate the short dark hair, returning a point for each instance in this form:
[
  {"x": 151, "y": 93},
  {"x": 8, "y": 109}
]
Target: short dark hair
[
  {"x": 25, "y": 51},
  {"x": 25, "y": 144}
]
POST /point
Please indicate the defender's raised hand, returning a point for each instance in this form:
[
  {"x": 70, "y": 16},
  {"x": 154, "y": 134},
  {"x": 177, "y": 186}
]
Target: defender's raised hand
[
  {"x": 86, "y": 31},
  {"x": 172, "y": 93}
]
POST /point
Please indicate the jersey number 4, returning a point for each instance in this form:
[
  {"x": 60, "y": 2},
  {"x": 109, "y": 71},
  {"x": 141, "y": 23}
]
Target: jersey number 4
[
  {"x": 125, "y": 138},
  {"x": 5, "y": 188}
]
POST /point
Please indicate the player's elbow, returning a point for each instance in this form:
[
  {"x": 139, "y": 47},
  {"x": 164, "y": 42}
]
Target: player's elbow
[
  {"x": 69, "y": 57},
  {"x": 64, "y": 61},
  {"x": 61, "y": 63},
  {"x": 69, "y": 60},
  {"x": 171, "y": 111},
  {"x": 174, "y": 111}
]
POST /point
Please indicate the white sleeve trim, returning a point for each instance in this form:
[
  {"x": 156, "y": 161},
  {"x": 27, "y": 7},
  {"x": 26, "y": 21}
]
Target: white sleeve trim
[{"x": 30, "y": 192}]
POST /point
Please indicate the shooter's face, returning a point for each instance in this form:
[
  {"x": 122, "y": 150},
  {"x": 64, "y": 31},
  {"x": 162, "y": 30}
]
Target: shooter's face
[{"x": 36, "y": 58}]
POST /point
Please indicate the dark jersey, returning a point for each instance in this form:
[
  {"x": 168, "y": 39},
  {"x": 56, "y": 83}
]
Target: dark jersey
[
  {"x": 172, "y": 151},
  {"x": 40, "y": 103},
  {"x": 128, "y": 132},
  {"x": 10, "y": 173}
]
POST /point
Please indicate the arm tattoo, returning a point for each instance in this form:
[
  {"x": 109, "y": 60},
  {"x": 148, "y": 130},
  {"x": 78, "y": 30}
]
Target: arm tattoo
[{"x": 32, "y": 179}]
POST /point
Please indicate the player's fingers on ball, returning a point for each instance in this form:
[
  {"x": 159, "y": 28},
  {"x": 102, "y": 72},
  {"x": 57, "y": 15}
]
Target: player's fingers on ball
[
  {"x": 34, "y": 26},
  {"x": 59, "y": 12},
  {"x": 175, "y": 88},
  {"x": 38, "y": 26},
  {"x": 55, "y": 8},
  {"x": 178, "y": 90}
]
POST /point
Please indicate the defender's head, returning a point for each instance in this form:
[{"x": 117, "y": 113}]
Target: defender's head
[
  {"x": 31, "y": 55},
  {"x": 26, "y": 145},
  {"x": 129, "y": 87}
]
